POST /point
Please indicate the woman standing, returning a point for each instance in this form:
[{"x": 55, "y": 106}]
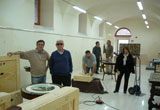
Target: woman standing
[{"x": 124, "y": 66}]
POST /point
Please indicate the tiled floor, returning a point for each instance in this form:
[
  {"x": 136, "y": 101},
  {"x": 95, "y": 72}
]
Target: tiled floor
[{"x": 119, "y": 100}]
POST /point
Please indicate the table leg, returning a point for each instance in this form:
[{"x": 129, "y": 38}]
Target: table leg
[
  {"x": 150, "y": 104},
  {"x": 103, "y": 72}
]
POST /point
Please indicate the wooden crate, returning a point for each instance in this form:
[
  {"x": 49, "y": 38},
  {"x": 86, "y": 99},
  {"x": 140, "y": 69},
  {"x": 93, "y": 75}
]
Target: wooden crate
[
  {"x": 16, "y": 97},
  {"x": 9, "y": 73},
  {"x": 66, "y": 98},
  {"x": 5, "y": 100},
  {"x": 82, "y": 78},
  {"x": 9, "y": 99}
]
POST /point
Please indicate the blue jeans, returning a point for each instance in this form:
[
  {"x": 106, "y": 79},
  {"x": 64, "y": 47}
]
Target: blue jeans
[
  {"x": 88, "y": 69},
  {"x": 40, "y": 79}
]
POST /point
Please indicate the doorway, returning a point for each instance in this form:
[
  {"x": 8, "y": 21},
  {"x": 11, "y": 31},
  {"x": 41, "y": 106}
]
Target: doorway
[{"x": 121, "y": 42}]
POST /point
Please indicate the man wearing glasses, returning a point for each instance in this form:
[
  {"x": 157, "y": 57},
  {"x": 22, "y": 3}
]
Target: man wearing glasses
[{"x": 60, "y": 65}]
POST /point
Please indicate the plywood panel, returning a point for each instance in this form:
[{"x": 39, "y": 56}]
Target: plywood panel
[
  {"x": 9, "y": 73},
  {"x": 66, "y": 98}
]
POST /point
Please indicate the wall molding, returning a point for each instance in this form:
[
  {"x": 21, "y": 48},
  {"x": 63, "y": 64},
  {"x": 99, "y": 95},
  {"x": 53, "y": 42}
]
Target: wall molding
[{"x": 51, "y": 33}]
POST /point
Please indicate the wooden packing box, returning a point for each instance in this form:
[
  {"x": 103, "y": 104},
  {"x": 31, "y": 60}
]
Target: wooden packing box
[
  {"x": 5, "y": 100},
  {"x": 16, "y": 97},
  {"x": 82, "y": 78},
  {"x": 9, "y": 99},
  {"x": 66, "y": 98},
  {"x": 9, "y": 73}
]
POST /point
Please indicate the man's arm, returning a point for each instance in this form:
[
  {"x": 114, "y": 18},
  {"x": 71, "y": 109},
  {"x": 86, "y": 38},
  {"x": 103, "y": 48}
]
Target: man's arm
[
  {"x": 94, "y": 65},
  {"x": 93, "y": 69},
  {"x": 100, "y": 52},
  {"x": 51, "y": 63},
  {"x": 13, "y": 53},
  {"x": 93, "y": 51},
  {"x": 47, "y": 62},
  {"x": 83, "y": 65},
  {"x": 23, "y": 55},
  {"x": 70, "y": 63},
  {"x": 84, "y": 68},
  {"x": 111, "y": 55}
]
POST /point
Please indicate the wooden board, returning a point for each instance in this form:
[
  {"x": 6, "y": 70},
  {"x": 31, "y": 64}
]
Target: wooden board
[
  {"x": 82, "y": 78},
  {"x": 9, "y": 73},
  {"x": 66, "y": 98},
  {"x": 16, "y": 97},
  {"x": 4, "y": 100}
]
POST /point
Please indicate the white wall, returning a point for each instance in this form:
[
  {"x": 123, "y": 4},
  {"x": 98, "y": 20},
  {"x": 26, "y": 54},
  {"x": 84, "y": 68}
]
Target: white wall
[{"x": 22, "y": 34}]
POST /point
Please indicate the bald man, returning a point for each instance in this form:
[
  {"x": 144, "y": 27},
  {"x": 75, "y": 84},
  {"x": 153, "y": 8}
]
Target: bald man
[{"x": 61, "y": 65}]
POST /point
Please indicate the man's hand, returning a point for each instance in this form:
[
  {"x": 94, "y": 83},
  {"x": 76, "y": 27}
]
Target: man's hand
[
  {"x": 92, "y": 74},
  {"x": 118, "y": 72},
  {"x": 9, "y": 53}
]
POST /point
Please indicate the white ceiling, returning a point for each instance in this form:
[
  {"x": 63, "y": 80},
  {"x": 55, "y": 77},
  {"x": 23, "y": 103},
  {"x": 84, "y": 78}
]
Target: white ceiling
[{"x": 119, "y": 10}]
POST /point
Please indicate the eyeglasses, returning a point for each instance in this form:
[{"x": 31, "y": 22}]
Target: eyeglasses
[{"x": 59, "y": 44}]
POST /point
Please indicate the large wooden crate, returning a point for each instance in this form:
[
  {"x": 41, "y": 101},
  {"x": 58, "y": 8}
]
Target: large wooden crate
[
  {"x": 5, "y": 100},
  {"x": 9, "y": 73},
  {"x": 66, "y": 98},
  {"x": 82, "y": 78},
  {"x": 9, "y": 99},
  {"x": 16, "y": 97}
]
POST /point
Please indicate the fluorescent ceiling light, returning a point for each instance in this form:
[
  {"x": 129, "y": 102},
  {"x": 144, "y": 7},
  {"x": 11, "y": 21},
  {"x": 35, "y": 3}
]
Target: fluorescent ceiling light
[
  {"x": 98, "y": 18},
  {"x": 147, "y": 27},
  {"x": 144, "y": 16},
  {"x": 79, "y": 9},
  {"x": 109, "y": 23},
  {"x": 146, "y": 22},
  {"x": 116, "y": 27},
  {"x": 140, "y": 6}
]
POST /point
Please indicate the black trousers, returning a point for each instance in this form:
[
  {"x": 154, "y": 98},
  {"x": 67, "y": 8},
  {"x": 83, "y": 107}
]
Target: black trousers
[
  {"x": 126, "y": 79},
  {"x": 62, "y": 80},
  {"x": 97, "y": 65}
]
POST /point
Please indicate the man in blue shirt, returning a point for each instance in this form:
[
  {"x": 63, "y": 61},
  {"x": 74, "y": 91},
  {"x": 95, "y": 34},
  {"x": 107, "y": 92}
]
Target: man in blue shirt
[{"x": 60, "y": 65}]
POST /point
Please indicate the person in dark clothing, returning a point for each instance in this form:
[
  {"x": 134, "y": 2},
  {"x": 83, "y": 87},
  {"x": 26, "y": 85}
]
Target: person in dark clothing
[
  {"x": 97, "y": 52},
  {"x": 60, "y": 65},
  {"x": 124, "y": 66}
]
